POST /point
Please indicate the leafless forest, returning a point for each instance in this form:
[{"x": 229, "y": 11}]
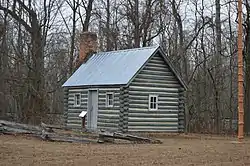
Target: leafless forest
[{"x": 39, "y": 43}]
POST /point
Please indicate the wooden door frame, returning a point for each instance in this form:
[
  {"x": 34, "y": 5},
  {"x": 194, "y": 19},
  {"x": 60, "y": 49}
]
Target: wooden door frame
[{"x": 97, "y": 93}]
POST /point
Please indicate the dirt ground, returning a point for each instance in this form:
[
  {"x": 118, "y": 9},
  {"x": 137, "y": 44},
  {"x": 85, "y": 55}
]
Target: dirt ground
[{"x": 201, "y": 150}]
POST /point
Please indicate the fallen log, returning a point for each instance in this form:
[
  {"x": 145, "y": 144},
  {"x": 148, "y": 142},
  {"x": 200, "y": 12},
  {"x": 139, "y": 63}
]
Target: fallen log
[
  {"x": 52, "y": 126},
  {"x": 8, "y": 127},
  {"x": 46, "y": 133},
  {"x": 103, "y": 136},
  {"x": 64, "y": 138},
  {"x": 14, "y": 128},
  {"x": 19, "y": 125}
]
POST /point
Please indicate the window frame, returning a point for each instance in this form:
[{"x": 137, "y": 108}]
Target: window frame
[
  {"x": 107, "y": 99},
  {"x": 75, "y": 100},
  {"x": 149, "y": 102}
]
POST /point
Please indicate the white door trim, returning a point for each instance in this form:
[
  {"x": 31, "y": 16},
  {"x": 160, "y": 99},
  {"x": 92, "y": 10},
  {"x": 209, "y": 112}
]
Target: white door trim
[{"x": 88, "y": 108}]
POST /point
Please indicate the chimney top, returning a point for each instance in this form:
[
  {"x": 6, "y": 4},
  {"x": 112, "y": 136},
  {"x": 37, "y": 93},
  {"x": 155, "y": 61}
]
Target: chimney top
[
  {"x": 88, "y": 46},
  {"x": 89, "y": 34}
]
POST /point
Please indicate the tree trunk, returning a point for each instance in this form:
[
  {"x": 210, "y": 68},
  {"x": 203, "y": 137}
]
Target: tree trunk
[
  {"x": 36, "y": 104},
  {"x": 137, "y": 25},
  {"x": 87, "y": 15},
  {"x": 3, "y": 67},
  {"x": 108, "y": 34},
  {"x": 231, "y": 69},
  {"x": 72, "y": 46},
  {"x": 183, "y": 59},
  {"x": 218, "y": 62}
]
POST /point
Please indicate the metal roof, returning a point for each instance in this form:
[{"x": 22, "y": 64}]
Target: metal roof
[{"x": 111, "y": 68}]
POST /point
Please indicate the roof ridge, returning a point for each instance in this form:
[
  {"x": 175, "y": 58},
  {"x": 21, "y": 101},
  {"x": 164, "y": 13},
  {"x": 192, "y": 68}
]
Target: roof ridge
[{"x": 130, "y": 49}]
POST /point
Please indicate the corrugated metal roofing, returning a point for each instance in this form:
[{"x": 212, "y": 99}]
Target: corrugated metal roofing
[{"x": 110, "y": 68}]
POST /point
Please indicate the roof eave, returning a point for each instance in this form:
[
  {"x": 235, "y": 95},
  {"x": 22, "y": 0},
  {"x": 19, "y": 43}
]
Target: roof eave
[{"x": 97, "y": 85}]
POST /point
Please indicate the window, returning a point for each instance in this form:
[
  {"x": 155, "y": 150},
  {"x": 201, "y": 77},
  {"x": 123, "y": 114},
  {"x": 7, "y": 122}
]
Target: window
[
  {"x": 110, "y": 100},
  {"x": 153, "y": 102},
  {"x": 77, "y": 99}
]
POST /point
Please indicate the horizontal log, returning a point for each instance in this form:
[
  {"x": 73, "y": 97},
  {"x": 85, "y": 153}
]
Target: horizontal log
[
  {"x": 112, "y": 125},
  {"x": 145, "y": 96},
  {"x": 156, "y": 124},
  {"x": 125, "y": 113},
  {"x": 83, "y": 95},
  {"x": 73, "y": 114},
  {"x": 74, "y": 125},
  {"x": 154, "y": 115},
  {"x": 155, "y": 89},
  {"x": 108, "y": 116},
  {"x": 181, "y": 114},
  {"x": 154, "y": 76},
  {"x": 181, "y": 90},
  {"x": 109, "y": 111},
  {"x": 76, "y": 90},
  {"x": 72, "y": 106},
  {"x": 161, "y": 106},
  {"x": 103, "y": 101},
  {"x": 169, "y": 130},
  {"x": 160, "y": 81},
  {"x": 103, "y": 107},
  {"x": 108, "y": 89},
  {"x": 162, "y": 110},
  {"x": 115, "y": 121},
  {"x": 156, "y": 84},
  {"x": 143, "y": 119},
  {"x": 74, "y": 122},
  {"x": 159, "y": 68},
  {"x": 74, "y": 118},
  {"x": 159, "y": 64},
  {"x": 160, "y": 102},
  {"x": 181, "y": 122},
  {"x": 157, "y": 60},
  {"x": 138, "y": 92},
  {"x": 173, "y": 128}
]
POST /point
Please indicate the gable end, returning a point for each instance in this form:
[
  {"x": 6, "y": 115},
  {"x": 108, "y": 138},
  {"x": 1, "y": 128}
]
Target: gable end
[{"x": 166, "y": 62}]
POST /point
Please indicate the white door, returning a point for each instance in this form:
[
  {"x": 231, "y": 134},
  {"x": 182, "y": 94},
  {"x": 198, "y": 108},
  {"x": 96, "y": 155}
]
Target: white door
[{"x": 92, "y": 109}]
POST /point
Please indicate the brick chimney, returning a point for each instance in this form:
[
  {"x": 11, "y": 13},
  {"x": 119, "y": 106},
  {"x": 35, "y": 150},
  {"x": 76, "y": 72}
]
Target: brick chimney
[{"x": 88, "y": 46}]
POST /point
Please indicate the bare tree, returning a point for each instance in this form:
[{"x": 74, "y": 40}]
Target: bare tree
[
  {"x": 74, "y": 5},
  {"x": 3, "y": 64},
  {"x": 35, "y": 98}
]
